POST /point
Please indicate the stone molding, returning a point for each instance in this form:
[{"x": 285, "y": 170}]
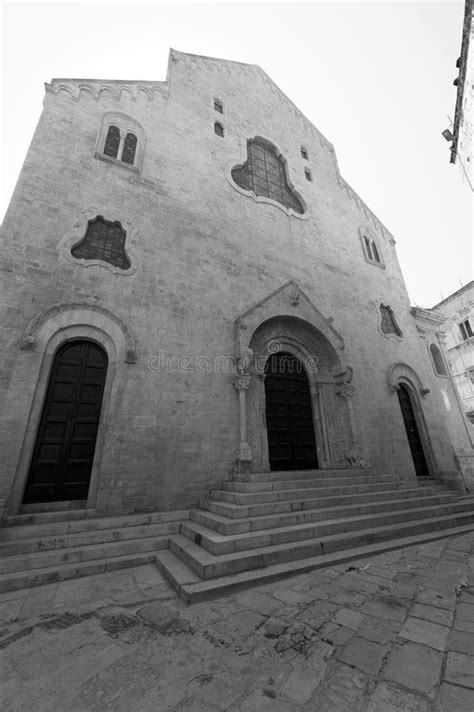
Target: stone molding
[
  {"x": 239, "y": 162},
  {"x": 288, "y": 300},
  {"x": 115, "y": 88},
  {"x": 78, "y": 229},
  {"x": 74, "y": 313},
  {"x": 402, "y": 371}
]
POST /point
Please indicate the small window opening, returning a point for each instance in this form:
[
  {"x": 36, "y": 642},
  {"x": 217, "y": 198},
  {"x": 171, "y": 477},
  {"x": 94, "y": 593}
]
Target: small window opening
[
  {"x": 307, "y": 174},
  {"x": 439, "y": 365},
  {"x": 129, "y": 148},
  {"x": 112, "y": 142},
  {"x": 375, "y": 252},
  {"x": 367, "y": 247},
  {"x": 219, "y": 129},
  {"x": 388, "y": 323},
  {"x": 104, "y": 240},
  {"x": 466, "y": 331},
  {"x": 304, "y": 153},
  {"x": 218, "y": 106}
]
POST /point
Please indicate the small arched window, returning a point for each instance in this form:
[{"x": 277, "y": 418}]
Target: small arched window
[
  {"x": 388, "y": 322},
  {"x": 104, "y": 240},
  {"x": 438, "y": 361},
  {"x": 304, "y": 153},
  {"x": 129, "y": 148},
  {"x": 219, "y": 129},
  {"x": 264, "y": 173},
  {"x": 112, "y": 142},
  {"x": 218, "y": 106}
]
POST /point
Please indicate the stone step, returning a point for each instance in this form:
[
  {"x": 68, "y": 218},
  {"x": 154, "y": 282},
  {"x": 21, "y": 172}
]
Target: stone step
[
  {"x": 22, "y": 526},
  {"x": 227, "y": 526},
  {"x": 74, "y": 555},
  {"x": 53, "y": 574},
  {"x": 238, "y": 511},
  {"x": 192, "y": 589},
  {"x": 302, "y": 494},
  {"x": 302, "y": 474},
  {"x": 218, "y": 544},
  {"x": 101, "y": 536},
  {"x": 208, "y": 566},
  {"x": 274, "y": 485}
]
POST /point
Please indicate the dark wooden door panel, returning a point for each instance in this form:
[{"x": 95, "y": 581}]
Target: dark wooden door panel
[
  {"x": 64, "y": 449},
  {"x": 290, "y": 428},
  {"x": 411, "y": 427}
]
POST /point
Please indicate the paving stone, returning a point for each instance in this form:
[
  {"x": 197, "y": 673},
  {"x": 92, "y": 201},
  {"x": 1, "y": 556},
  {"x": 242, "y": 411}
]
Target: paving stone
[
  {"x": 464, "y": 626},
  {"x": 213, "y": 688},
  {"x": 256, "y": 601},
  {"x": 435, "y": 598},
  {"x": 384, "y": 609},
  {"x": 414, "y": 666},
  {"x": 343, "y": 598},
  {"x": 388, "y": 698},
  {"x": 317, "y": 613},
  {"x": 462, "y": 642},
  {"x": 460, "y": 670},
  {"x": 364, "y": 654},
  {"x": 159, "y": 615},
  {"x": 345, "y": 691},
  {"x": 244, "y": 622},
  {"x": 452, "y": 698},
  {"x": 442, "y": 616},
  {"x": 379, "y": 631},
  {"x": 336, "y": 635},
  {"x": 299, "y": 686},
  {"x": 421, "y": 631},
  {"x": 465, "y": 612},
  {"x": 347, "y": 618},
  {"x": 263, "y": 700}
]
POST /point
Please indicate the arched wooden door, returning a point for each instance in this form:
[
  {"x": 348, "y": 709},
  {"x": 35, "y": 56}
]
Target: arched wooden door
[
  {"x": 411, "y": 427},
  {"x": 64, "y": 450},
  {"x": 290, "y": 428}
]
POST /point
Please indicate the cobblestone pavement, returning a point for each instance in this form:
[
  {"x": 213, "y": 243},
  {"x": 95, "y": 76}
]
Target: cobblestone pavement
[{"x": 394, "y": 632}]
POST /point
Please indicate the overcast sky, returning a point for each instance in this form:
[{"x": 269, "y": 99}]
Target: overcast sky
[{"x": 376, "y": 78}]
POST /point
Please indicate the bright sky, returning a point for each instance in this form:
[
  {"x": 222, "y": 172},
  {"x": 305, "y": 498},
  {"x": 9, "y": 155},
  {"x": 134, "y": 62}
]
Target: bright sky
[{"x": 376, "y": 78}]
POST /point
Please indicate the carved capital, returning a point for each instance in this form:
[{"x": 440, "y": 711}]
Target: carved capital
[
  {"x": 28, "y": 343},
  {"x": 242, "y": 382},
  {"x": 345, "y": 390},
  {"x": 424, "y": 391}
]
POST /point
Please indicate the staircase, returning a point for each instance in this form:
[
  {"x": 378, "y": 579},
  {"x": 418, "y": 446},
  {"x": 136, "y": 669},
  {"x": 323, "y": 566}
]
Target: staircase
[
  {"x": 268, "y": 525},
  {"x": 55, "y": 546},
  {"x": 252, "y": 530}
]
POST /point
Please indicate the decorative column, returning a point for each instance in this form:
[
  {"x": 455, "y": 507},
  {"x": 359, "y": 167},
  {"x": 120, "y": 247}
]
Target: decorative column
[
  {"x": 344, "y": 389},
  {"x": 244, "y": 457}
]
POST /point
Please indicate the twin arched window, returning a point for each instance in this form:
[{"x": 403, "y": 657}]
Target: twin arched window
[{"x": 120, "y": 146}]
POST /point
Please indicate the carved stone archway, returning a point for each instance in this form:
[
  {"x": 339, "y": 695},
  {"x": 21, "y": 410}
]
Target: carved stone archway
[{"x": 288, "y": 321}]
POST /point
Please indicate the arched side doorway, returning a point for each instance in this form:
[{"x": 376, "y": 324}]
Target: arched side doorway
[
  {"x": 407, "y": 407},
  {"x": 61, "y": 465},
  {"x": 289, "y": 419}
]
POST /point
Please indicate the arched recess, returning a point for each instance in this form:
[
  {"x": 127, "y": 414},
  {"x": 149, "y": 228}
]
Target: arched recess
[
  {"x": 333, "y": 427},
  {"x": 401, "y": 374},
  {"x": 44, "y": 336}
]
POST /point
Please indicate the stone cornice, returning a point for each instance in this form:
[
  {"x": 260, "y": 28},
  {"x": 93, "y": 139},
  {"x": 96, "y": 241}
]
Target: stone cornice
[
  {"x": 96, "y": 87},
  {"x": 426, "y": 320}
]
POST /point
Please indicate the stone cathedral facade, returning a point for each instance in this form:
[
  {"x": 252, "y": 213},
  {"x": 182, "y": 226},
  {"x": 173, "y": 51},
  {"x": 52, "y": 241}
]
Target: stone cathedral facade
[{"x": 192, "y": 290}]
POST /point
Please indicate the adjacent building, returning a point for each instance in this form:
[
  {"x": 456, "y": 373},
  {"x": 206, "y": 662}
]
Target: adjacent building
[{"x": 458, "y": 309}]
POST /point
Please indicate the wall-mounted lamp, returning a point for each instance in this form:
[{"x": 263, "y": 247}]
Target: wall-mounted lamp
[{"x": 447, "y": 135}]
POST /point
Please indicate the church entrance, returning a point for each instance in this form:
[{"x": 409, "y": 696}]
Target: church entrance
[
  {"x": 64, "y": 450},
  {"x": 412, "y": 431},
  {"x": 290, "y": 428}
]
